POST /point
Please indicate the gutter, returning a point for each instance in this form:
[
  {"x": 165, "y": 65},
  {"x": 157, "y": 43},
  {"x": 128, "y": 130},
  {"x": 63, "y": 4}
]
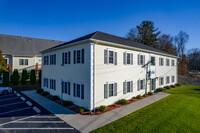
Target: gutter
[{"x": 130, "y": 47}]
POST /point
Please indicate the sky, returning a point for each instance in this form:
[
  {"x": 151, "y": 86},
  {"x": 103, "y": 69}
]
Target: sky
[{"x": 65, "y": 20}]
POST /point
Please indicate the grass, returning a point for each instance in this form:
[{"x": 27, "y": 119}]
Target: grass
[{"x": 179, "y": 112}]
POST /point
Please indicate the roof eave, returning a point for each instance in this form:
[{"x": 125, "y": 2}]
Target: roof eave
[{"x": 121, "y": 45}]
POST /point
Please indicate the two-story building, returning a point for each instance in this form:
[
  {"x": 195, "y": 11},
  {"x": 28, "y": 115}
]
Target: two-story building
[{"x": 100, "y": 69}]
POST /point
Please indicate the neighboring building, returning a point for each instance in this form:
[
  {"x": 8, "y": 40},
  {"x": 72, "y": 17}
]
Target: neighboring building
[
  {"x": 100, "y": 69},
  {"x": 23, "y": 52}
]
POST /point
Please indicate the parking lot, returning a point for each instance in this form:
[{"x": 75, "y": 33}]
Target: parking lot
[{"x": 19, "y": 114}]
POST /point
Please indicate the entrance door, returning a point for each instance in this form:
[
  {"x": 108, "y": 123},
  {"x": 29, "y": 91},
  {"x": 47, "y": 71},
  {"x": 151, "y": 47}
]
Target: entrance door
[{"x": 153, "y": 84}]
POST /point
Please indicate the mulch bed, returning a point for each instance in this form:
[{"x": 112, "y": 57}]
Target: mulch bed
[{"x": 75, "y": 108}]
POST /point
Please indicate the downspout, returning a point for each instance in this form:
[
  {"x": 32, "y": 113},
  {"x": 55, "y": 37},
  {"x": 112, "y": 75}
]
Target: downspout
[{"x": 94, "y": 76}]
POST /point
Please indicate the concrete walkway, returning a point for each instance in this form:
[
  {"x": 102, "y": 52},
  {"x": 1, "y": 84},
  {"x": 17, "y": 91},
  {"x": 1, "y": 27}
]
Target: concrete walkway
[{"x": 88, "y": 123}]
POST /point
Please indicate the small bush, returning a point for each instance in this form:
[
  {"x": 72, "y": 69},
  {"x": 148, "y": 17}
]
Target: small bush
[
  {"x": 24, "y": 77},
  {"x": 160, "y": 89},
  {"x": 164, "y": 89},
  {"x": 81, "y": 110},
  {"x": 39, "y": 90},
  {"x": 102, "y": 108},
  {"x": 172, "y": 86},
  {"x": 144, "y": 95},
  {"x": 138, "y": 96},
  {"x": 6, "y": 78},
  {"x": 123, "y": 101},
  {"x": 67, "y": 103},
  {"x": 33, "y": 77},
  {"x": 45, "y": 93},
  {"x": 167, "y": 87},
  {"x": 55, "y": 98},
  {"x": 178, "y": 84},
  {"x": 150, "y": 93}
]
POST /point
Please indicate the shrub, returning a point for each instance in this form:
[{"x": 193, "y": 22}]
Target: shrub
[
  {"x": 167, "y": 87},
  {"x": 55, "y": 98},
  {"x": 24, "y": 77},
  {"x": 15, "y": 77},
  {"x": 81, "y": 110},
  {"x": 123, "y": 101},
  {"x": 138, "y": 96},
  {"x": 144, "y": 95},
  {"x": 132, "y": 99},
  {"x": 160, "y": 89},
  {"x": 33, "y": 77},
  {"x": 6, "y": 78},
  {"x": 164, "y": 89},
  {"x": 39, "y": 90},
  {"x": 150, "y": 93},
  {"x": 102, "y": 108},
  {"x": 172, "y": 86},
  {"x": 45, "y": 93},
  {"x": 178, "y": 84},
  {"x": 67, "y": 103}
]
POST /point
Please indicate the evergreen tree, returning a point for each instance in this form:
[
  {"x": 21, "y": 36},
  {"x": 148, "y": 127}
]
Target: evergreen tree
[
  {"x": 33, "y": 77},
  {"x": 24, "y": 77}
]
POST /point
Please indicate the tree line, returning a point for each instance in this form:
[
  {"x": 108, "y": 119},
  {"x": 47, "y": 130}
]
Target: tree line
[{"x": 150, "y": 35}]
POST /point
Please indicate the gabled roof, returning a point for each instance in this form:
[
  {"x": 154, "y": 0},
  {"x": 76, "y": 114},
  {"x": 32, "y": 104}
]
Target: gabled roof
[
  {"x": 109, "y": 38},
  {"x": 24, "y": 46}
]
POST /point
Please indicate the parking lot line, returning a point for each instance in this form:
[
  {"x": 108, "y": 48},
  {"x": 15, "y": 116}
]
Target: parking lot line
[
  {"x": 14, "y": 111},
  {"x": 12, "y": 104},
  {"x": 39, "y": 122},
  {"x": 37, "y": 128},
  {"x": 40, "y": 116},
  {"x": 9, "y": 99},
  {"x": 19, "y": 119},
  {"x": 6, "y": 95}
]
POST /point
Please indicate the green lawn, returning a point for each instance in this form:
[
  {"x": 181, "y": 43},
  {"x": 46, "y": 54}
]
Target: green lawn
[{"x": 179, "y": 112}]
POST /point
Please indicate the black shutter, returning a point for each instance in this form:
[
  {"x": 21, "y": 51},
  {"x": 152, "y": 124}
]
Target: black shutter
[
  {"x": 63, "y": 55},
  {"x": 105, "y": 91},
  {"x": 47, "y": 60},
  {"x": 82, "y": 91},
  {"x": 105, "y": 56},
  {"x": 69, "y": 57},
  {"x": 124, "y": 88},
  {"x": 82, "y": 56},
  {"x": 54, "y": 59},
  {"x": 74, "y": 57},
  {"x": 131, "y": 59},
  {"x": 69, "y": 88},
  {"x": 74, "y": 89},
  {"x": 115, "y": 58}
]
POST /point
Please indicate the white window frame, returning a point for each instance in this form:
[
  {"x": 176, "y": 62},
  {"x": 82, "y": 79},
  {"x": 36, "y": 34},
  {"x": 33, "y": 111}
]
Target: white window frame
[
  {"x": 161, "y": 61},
  {"x": 173, "y": 62},
  {"x": 52, "y": 84},
  {"x": 45, "y": 84},
  {"x": 67, "y": 57},
  {"x": 7, "y": 60},
  {"x": 154, "y": 58},
  {"x": 77, "y": 56},
  {"x": 78, "y": 83},
  {"x": 126, "y": 55},
  {"x": 140, "y": 84},
  {"x": 53, "y": 59},
  {"x": 167, "y": 62},
  {"x": 108, "y": 89},
  {"x": 46, "y": 60},
  {"x": 23, "y": 62},
  {"x": 143, "y": 59},
  {"x": 161, "y": 79},
  {"x": 65, "y": 81},
  {"x": 172, "y": 78},
  {"x": 126, "y": 86},
  {"x": 167, "y": 79},
  {"x": 108, "y": 55}
]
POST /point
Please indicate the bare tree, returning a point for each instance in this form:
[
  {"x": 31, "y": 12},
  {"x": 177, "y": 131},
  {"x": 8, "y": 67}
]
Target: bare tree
[
  {"x": 133, "y": 34},
  {"x": 180, "y": 40},
  {"x": 193, "y": 56}
]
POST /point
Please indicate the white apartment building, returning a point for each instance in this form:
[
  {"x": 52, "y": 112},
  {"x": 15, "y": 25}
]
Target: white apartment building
[{"x": 100, "y": 69}]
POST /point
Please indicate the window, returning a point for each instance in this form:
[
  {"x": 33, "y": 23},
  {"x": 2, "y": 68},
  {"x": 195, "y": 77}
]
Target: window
[
  {"x": 45, "y": 82},
  {"x": 167, "y": 80},
  {"x": 173, "y": 63},
  {"x": 110, "y": 57},
  {"x": 161, "y": 81},
  {"x": 173, "y": 79},
  {"x": 128, "y": 58},
  {"x": 66, "y": 57},
  {"x": 79, "y": 90},
  {"x": 167, "y": 62},
  {"x": 153, "y": 61},
  {"x": 110, "y": 90},
  {"x": 66, "y": 87},
  {"x": 53, "y": 59},
  {"x": 79, "y": 56},
  {"x": 128, "y": 87},
  {"x": 6, "y": 60},
  {"x": 46, "y": 60},
  {"x": 23, "y": 61},
  {"x": 53, "y": 84},
  {"x": 141, "y": 59},
  {"x": 161, "y": 62},
  {"x": 141, "y": 84}
]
